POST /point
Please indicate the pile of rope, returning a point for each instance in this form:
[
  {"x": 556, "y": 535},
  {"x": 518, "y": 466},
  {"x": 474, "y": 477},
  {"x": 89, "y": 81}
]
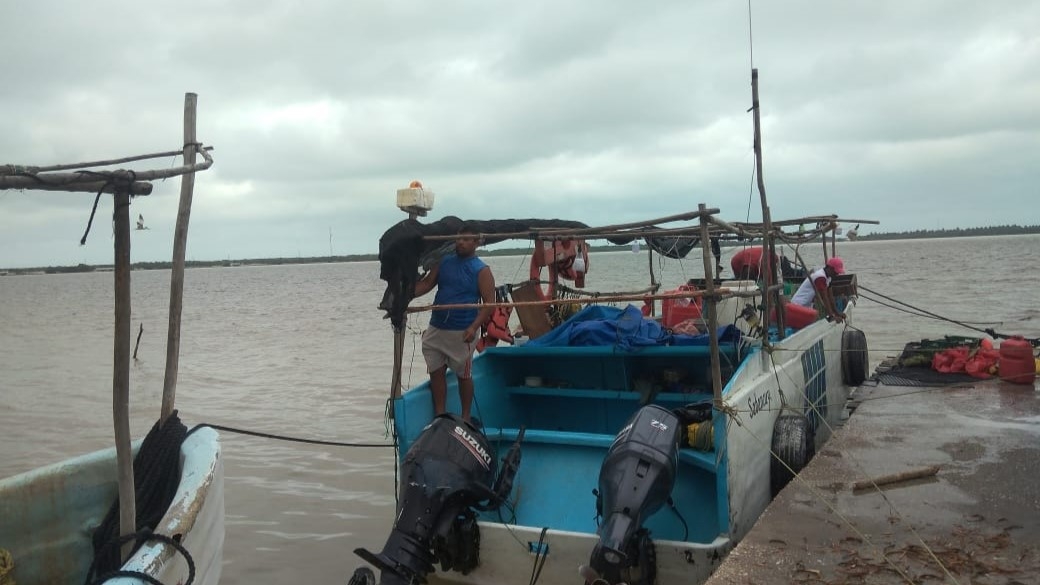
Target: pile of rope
[{"x": 156, "y": 477}]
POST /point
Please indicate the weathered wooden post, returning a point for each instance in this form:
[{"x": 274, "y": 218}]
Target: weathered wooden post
[
  {"x": 710, "y": 307},
  {"x": 180, "y": 244},
  {"x": 121, "y": 370}
]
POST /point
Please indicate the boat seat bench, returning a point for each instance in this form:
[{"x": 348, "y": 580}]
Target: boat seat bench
[{"x": 702, "y": 459}]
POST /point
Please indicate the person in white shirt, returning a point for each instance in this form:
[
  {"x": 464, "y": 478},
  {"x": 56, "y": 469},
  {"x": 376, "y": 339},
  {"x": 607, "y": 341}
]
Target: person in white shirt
[{"x": 818, "y": 283}]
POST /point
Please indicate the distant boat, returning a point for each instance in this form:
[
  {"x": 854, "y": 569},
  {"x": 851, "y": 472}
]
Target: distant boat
[{"x": 140, "y": 222}]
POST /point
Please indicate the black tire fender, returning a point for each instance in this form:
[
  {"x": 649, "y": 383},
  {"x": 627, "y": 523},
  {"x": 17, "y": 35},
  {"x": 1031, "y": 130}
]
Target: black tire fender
[
  {"x": 854, "y": 358},
  {"x": 794, "y": 443}
]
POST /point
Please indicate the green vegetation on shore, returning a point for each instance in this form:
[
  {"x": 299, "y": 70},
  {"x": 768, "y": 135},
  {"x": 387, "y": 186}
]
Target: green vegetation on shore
[
  {"x": 998, "y": 230},
  {"x": 1001, "y": 230}
]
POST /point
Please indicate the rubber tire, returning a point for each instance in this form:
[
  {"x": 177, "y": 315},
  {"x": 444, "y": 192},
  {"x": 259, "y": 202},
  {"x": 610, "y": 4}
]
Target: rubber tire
[
  {"x": 854, "y": 358},
  {"x": 794, "y": 441}
]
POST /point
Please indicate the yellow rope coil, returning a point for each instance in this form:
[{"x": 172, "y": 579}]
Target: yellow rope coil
[
  {"x": 6, "y": 566},
  {"x": 701, "y": 436}
]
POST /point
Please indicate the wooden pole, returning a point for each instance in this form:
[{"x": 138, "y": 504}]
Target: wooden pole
[
  {"x": 180, "y": 245},
  {"x": 653, "y": 277},
  {"x": 587, "y": 300},
  {"x": 32, "y": 170},
  {"x": 70, "y": 183},
  {"x": 767, "y": 226},
  {"x": 769, "y": 300},
  {"x": 395, "y": 382},
  {"x": 138, "y": 343},
  {"x": 897, "y": 477},
  {"x": 712, "y": 311},
  {"x": 121, "y": 372}
]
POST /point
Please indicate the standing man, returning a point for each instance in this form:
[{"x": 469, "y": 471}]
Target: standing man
[
  {"x": 460, "y": 278},
  {"x": 818, "y": 283}
]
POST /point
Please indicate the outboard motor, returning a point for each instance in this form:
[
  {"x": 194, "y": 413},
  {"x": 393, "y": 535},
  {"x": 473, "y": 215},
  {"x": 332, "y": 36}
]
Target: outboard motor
[
  {"x": 635, "y": 480},
  {"x": 446, "y": 474}
]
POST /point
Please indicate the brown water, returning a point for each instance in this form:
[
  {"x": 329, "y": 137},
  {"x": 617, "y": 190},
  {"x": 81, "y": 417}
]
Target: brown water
[{"x": 302, "y": 351}]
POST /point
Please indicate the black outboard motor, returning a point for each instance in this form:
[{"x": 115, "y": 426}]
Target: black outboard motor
[
  {"x": 448, "y": 471},
  {"x": 635, "y": 480}
]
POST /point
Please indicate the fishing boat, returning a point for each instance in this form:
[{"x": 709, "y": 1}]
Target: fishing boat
[
  {"x": 628, "y": 437},
  {"x": 145, "y": 511}
]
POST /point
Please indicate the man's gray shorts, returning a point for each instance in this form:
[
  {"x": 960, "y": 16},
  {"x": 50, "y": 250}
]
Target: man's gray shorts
[{"x": 443, "y": 347}]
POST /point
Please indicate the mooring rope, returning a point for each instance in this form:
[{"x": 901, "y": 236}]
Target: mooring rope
[
  {"x": 288, "y": 438},
  {"x": 988, "y": 331}
]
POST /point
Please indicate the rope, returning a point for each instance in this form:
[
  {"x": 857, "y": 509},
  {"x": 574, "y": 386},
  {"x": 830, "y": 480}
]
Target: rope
[
  {"x": 93, "y": 210},
  {"x": 540, "y": 555},
  {"x": 140, "y": 537},
  {"x": 156, "y": 478},
  {"x": 292, "y": 439},
  {"x": 988, "y": 331},
  {"x": 701, "y": 435}
]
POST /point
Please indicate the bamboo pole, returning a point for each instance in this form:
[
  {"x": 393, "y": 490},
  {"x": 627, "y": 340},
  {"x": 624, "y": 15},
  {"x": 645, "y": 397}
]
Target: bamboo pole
[
  {"x": 78, "y": 180},
  {"x": 549, "y": 233},
  {"x": 395, "y": 382},
  {"x": 712, "y": 310},
  {"x": 121, "y": 372},
  {"x": 653, "y": 277},
  {"x": 180, "y": 244},
  {"x": 589, "y": 300},
  {"x": 32, "y": 170},
  {"x": 87, "y": 185},
  {"x": 767, "y": 302}
]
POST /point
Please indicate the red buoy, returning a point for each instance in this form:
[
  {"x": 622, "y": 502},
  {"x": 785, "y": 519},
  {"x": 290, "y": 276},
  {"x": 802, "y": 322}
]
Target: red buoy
[
  {"x": 796, "y": 316},
  {"x": 1016, "y": 361},
  {"x": 747, "y": 263}
]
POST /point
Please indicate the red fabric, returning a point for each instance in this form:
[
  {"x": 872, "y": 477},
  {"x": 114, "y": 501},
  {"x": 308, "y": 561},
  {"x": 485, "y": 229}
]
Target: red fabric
[
  {"x": 820, "y": 284},
  {"x": 979, "y": 363}
]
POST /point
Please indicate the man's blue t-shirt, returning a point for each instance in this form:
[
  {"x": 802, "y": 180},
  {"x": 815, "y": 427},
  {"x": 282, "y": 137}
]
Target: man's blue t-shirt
[{"x": 456, "y": 285}]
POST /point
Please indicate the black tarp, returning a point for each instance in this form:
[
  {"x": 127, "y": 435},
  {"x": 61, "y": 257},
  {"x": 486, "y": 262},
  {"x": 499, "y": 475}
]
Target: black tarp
[{"x": 402, "y": 249}]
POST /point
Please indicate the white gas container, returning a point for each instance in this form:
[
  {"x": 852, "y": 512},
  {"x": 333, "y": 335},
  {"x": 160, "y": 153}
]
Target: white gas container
[{"x": 415, "y": 198}]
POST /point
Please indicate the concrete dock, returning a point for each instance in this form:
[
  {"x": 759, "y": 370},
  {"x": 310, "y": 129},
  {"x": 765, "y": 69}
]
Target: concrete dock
[{"x": 977, "y": 520}]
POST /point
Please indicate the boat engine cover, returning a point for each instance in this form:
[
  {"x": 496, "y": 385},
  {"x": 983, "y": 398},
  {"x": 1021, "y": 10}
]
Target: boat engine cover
[
  {"x": 636, "y": 479},
  {"x": 448, "y": 470}
]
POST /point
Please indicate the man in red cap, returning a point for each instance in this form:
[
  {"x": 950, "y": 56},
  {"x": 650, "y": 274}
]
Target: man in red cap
[{"x": 819, "y": 282}]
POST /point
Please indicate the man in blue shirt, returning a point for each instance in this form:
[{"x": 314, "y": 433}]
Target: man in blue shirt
[{"x": 461, "y": 279}]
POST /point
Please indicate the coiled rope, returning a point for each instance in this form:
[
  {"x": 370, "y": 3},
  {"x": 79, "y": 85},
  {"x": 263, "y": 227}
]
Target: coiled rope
[{"x": 156, "y": 477}]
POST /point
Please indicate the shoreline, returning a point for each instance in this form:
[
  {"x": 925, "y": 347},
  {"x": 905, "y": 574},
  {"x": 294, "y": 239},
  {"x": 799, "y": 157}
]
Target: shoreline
[{"x": 918, "y": 235}]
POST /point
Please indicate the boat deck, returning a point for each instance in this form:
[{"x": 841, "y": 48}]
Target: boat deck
[{"x": 979, "y": 515}]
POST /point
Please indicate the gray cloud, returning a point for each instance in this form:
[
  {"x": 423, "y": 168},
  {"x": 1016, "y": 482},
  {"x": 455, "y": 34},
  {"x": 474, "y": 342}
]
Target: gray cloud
[{"x": 917, "y": 114}]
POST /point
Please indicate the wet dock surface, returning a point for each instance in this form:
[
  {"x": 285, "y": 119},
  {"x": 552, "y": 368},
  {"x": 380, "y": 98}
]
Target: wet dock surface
[{"x": 977, "y": 520}]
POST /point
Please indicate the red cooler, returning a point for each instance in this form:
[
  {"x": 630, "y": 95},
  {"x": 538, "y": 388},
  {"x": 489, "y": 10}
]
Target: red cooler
[{"x": 675, "y": 311}]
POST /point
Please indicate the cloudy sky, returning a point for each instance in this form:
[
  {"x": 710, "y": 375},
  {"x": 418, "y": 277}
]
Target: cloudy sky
[{"x": 917, "y": 113}]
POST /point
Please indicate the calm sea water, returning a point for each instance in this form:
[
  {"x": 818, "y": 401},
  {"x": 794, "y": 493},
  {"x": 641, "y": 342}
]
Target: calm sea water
[{"x": 302, "y": 351}]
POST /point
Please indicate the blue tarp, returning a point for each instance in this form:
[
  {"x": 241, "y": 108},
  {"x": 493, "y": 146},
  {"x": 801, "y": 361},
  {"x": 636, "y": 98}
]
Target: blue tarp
[{"x": 626, "y": 329}]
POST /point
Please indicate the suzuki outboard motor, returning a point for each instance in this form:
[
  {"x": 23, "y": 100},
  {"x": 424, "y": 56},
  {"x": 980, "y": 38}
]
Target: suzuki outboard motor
[
  {"x": 448, "y": 471},
  {"x": 635, "y": 480}
]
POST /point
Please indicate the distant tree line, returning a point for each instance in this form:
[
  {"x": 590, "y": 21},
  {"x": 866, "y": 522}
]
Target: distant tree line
[{"x": 998, "y": 230}]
